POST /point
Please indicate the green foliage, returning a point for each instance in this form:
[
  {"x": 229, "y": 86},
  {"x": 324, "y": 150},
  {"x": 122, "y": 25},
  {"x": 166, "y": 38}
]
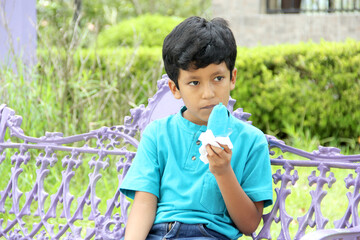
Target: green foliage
[
  {"x": 55, "y": 22},
  {"x": 311, "y": 87},
  {"x": 57, "y": 19},
  {"x": 307, "y": 85},
  {"x": 110, "y": 12},
  {"x": 148, "y": 30},
  {"x": 74, "y": 92}
]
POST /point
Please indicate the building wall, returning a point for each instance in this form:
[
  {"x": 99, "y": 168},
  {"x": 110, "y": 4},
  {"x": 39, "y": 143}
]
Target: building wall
[{"x": 252, "y": 26}]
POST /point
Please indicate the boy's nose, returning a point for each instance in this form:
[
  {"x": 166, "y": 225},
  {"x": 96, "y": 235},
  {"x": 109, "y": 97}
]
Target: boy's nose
[{"x": 208, "y": 91}]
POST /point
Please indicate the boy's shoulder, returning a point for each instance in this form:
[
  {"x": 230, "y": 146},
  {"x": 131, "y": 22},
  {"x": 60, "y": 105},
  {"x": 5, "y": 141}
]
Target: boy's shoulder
[
  {"x": 245, "y": 125},
  {"x": 242, "y": 127}
]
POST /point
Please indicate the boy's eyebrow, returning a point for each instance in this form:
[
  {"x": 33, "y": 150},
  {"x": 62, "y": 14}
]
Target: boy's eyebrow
[
  {"x": 194, "y": 77},
  {"x": 219, "y": 72}
]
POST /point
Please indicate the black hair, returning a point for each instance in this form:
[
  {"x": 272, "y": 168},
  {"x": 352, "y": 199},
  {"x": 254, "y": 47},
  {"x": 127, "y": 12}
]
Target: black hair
[{"x": 197, "y": 43}]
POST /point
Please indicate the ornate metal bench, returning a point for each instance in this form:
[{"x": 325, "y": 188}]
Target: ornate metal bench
[{"x": 41, "y": 178}]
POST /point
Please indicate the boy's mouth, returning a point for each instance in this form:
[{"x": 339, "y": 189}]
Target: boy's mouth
[{"x": 208, "y": 107}]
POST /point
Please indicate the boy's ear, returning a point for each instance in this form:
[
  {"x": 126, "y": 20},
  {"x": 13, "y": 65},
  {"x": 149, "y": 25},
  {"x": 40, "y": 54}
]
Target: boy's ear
[
  {"x": 175, "y": 91},
  {"x": 233, "y": 79}
]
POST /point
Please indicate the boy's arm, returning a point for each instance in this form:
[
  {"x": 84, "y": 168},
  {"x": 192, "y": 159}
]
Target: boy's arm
[
  {"x": 245, "y": 213},
  {"x": 142, "y": 216}
]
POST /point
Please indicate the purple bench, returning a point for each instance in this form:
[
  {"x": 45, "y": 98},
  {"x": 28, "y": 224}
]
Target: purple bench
[{"x": 31, "y": 209}]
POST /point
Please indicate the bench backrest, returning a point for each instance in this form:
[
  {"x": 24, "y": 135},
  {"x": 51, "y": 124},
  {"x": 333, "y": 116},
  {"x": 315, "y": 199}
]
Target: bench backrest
[{"x": 48, "y": 173}]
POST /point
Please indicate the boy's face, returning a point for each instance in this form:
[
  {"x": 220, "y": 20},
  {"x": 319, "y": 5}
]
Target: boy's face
[{"x": 201, "y": 89}]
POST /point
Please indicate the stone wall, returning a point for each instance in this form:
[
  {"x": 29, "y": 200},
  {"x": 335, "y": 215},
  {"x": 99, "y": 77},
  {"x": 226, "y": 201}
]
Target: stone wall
[{"x": 252, "y": 26}]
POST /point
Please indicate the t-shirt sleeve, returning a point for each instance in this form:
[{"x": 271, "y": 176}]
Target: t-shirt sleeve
[
  {"x": 144, "y": 173},
  {"x": 257, "y": 181}
]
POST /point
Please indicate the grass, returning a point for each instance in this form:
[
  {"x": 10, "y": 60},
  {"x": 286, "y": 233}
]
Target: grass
[{"x": 86, "y": 101}]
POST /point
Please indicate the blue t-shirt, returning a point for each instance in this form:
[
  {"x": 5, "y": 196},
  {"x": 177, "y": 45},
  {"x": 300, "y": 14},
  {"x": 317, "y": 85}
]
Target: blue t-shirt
[{"x": 167, "y": 164}]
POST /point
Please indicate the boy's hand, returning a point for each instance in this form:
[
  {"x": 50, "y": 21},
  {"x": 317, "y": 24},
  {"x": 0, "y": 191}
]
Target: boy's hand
[
  {"x": 245, "y": 214},
  {"x": 219, "y": 159}
]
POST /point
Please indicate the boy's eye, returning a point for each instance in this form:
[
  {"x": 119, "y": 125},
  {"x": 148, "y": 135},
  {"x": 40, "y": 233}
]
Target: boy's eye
[
  {"x": 194, "y": 83},
  {"x": 219, "y": 78}
]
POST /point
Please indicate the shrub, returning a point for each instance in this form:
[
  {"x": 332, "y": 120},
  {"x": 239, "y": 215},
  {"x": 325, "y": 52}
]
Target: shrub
[
  {"x": 147, "y": 30},
  {"x": 307, "y": 85}
]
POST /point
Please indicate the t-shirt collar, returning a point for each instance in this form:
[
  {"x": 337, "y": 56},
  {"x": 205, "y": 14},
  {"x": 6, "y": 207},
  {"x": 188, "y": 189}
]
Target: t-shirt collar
[{"x": 186, "y": 124}]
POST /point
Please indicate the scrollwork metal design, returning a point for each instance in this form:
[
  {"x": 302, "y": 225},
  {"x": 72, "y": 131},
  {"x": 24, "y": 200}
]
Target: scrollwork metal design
[
  {"x": 317, "y": 195},
  {"x": 108, "y": 142},
  {"x": 279, "y": 206},
  {"x": 353, "y": 198}
]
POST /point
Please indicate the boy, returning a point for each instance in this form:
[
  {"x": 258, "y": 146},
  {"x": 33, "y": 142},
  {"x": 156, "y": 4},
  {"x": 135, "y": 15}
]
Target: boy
[{"x": 177, "y": 196}]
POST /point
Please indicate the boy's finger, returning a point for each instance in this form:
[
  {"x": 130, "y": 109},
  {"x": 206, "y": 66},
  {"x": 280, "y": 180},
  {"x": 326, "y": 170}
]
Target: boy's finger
[
  {"x": 213, "y": 149},
  {"x": 225, "y": 147}
]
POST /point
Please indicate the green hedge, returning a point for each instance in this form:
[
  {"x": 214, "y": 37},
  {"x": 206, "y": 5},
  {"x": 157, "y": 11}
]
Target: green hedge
[
  {"x": 309, "y": 86},
  {"x": 314, "y": 87},
  {"x": 147, "y": 30}
]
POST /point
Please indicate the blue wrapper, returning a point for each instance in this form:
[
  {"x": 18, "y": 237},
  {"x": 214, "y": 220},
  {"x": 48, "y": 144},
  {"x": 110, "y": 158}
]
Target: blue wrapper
[{"x": 219, "y": 121}]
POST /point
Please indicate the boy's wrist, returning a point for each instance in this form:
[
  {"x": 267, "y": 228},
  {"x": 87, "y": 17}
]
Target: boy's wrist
[{"x": 224, "y": 172}]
